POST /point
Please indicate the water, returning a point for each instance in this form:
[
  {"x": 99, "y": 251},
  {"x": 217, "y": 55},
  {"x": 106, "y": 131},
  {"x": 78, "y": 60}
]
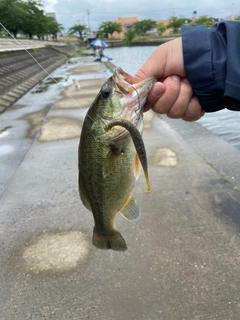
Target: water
[
  {"x": 129, "y": 58},
  {"x": 224, "y": 123}
]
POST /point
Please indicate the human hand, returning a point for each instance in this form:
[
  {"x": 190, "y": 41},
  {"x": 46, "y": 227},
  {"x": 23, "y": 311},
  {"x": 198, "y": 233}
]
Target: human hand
[{"x": 172, "y": 94}]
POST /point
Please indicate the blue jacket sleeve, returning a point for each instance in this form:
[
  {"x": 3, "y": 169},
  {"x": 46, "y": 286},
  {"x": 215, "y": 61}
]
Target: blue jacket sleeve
[{"x": 212, "y": 64}]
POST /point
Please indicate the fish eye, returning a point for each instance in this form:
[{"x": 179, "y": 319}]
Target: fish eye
[{"x": 106, "y": 93}]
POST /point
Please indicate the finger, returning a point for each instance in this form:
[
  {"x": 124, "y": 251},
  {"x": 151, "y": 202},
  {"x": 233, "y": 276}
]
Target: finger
[
  {"x": 180, "y": 106},
  {"x": 166, "y": 101},
  {"x": 156, "y": 92},
  {"x": 165, "y": 60},
  {"x": 194, "y": 110}
]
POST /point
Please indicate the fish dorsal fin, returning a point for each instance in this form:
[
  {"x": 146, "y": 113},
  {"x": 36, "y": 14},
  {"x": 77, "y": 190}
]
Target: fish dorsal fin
[
  {"x": 136, "y": 167},
  {"x": 130, "y": 210}
]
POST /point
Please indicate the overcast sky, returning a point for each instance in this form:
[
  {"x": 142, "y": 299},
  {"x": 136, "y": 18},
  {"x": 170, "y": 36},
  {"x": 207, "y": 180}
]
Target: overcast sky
[{"x": 71, "y": 12}]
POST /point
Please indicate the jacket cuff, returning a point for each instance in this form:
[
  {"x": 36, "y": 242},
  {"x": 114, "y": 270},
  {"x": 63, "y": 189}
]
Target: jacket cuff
[{"x": 207, "y": 79}]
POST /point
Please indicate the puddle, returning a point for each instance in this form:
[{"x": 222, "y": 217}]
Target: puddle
[
  {"x": 54, "y": 80},
  {"x": 44, "y": 86},
  {"x": 35, "y": 120},
  {"x": 5, "y": 149},
  {"x": 5, "y": 129}
]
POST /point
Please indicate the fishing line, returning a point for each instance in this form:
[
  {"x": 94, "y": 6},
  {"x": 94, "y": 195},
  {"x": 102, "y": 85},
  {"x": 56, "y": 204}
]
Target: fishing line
[{"x": 39, "y": 64}]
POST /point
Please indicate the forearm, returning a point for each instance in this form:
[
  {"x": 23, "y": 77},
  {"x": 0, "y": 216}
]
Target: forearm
[{"x": 212, "y": 64}]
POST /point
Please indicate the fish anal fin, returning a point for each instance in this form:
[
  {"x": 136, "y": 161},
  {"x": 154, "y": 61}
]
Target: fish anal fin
[
  {"x": 113, "y": 240},
  {"x": 130, "y": 210}
]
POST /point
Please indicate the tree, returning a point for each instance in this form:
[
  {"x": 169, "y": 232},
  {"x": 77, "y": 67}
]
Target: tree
[
  {"x": 11, "y": 15},
  {"x": 78, "y": 29},
  {"x": 144, "y": 25},
  {"x": 161, "y": 28},
  {"x": 27, "y": 16},
  {"x": 109, "y": 27},
  {"x": 54, "y": 27},
  {"x": 175, "y": 23},
  {"x": 203, "y": 20},
  {"x": 34, "y": 19},
  {"x": 130, "y": 35},
  {"x": 42, "y": 27}
]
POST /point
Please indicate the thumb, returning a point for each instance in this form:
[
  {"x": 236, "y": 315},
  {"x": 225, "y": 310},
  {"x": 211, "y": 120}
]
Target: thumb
[
  {"x": 156, "y": 92},
  {"x": 152, "y": 67}
]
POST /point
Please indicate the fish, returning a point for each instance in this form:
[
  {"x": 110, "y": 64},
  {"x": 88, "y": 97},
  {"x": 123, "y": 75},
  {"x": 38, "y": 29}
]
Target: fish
[{"x": 110, "y": 154}]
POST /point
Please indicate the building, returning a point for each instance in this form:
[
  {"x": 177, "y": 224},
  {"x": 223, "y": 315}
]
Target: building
[
  {"x": 126, "y": 23},
  {"x": 167, "y": 31},
  {"x": 51, "y": 15}
]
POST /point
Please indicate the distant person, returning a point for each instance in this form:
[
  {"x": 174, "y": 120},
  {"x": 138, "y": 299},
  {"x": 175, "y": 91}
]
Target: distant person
[
  {"x": 197, "y": 73},
  {"x": 101, "y": 54}
]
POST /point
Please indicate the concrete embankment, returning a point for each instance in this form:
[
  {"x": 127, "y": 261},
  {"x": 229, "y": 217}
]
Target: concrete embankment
[{"x": 19, "y": 70}]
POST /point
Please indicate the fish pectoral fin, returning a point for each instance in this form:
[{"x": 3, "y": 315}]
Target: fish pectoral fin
[
  {"x": 110, "y": 162},
  {"x": 130, "y": 210}
]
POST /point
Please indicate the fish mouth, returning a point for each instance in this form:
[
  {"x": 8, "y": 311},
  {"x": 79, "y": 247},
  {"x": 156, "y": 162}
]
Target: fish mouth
[
  {"x": 135, "y": 94},
  {"x": 133, "y": 97}
]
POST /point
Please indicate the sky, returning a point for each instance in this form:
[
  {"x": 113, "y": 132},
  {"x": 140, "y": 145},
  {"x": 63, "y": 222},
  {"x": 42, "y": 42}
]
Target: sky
[{"x": 93, "y": 12}]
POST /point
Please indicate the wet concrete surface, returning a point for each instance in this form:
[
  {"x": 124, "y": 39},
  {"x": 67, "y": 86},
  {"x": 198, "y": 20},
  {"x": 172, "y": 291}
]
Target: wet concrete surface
[{"x": 183, "y": 256}]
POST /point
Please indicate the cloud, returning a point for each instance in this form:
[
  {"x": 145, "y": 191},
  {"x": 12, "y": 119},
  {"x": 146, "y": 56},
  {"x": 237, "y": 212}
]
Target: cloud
[
  {"x": 70, "y": 12},
  {"x": 49, "y": 5}
]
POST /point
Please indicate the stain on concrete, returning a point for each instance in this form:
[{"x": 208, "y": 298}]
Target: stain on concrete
[
  {"x": 84, "y": 69},
  {"x": 55, "y": 252},
  {"x": 35, "y": 120},
  {"x": 44, "y": 85},
  {"x": 74, "y": 102},
  {"x": 60, "y": 128},
  {"x": 92, "y": 85},
  {"x": 83, "y": 98},
  {"x": 164, "y": 157}
]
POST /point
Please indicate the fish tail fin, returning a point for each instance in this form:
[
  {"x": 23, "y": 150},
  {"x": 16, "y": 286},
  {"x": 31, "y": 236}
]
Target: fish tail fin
[{"x": 113, "y": 241}]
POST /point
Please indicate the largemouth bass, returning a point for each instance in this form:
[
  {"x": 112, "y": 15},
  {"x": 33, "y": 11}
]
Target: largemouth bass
[{"x": 110, "y": 152}]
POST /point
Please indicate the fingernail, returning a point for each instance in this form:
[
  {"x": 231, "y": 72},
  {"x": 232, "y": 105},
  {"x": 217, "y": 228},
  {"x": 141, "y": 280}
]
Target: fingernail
[
  {"x": 157, "y": 91},
  {"x": 177, "y": 78}
]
